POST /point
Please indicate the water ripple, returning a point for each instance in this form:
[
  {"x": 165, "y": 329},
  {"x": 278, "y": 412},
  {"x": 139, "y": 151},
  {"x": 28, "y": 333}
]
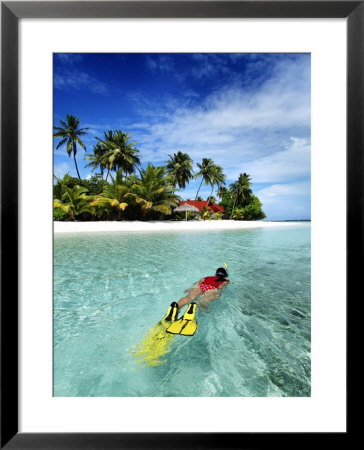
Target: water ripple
[{"x": 110, "y": 289}]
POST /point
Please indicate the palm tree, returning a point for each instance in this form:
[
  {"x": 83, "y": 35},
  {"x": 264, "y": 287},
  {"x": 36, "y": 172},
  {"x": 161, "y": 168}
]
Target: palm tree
[
  {"x": 120, "y": 154},
  {"x": 152, "y": 191},
  {"x": 70, "y": 133},
  {"x": 238, "y": 213},
  {"x": 96, "y": 158},
  {"x": 74, "y": 201},
  {"x": 206, "y": 172},
  {"x": 221, "y": 191},
  {"x": 179, "y": 168},
  {"x": 59, "y": 185},
  {"x": 241, "y": 190},
  {"x": 101, "y": 149},
  {"x": 113, "y": 196},
  {"x": 217, "y": 177}
]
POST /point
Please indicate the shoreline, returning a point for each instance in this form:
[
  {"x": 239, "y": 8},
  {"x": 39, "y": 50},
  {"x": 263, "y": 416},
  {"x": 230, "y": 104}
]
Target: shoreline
[{"x": 166, "y": 225}]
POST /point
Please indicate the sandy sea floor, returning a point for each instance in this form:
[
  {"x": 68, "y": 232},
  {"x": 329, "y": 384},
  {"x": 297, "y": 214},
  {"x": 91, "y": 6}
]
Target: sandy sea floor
[{"x": 76, "y": 227}]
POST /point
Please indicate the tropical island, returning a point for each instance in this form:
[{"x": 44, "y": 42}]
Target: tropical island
[{"x": 121, "y": 190}]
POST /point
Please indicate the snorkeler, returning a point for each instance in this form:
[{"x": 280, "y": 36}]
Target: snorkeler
[{"x": 208, "y": 287}]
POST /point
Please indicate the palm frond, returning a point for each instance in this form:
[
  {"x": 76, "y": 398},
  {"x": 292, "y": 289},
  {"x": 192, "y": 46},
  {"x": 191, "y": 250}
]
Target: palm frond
[
  {"x": 163, "y": 209},
  {"x": 62, "y": 142}
]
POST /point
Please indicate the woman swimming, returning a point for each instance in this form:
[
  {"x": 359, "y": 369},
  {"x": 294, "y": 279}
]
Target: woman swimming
[{"x": 209, "y": 287}]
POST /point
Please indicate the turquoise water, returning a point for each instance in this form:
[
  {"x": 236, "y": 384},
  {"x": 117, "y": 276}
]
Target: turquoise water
[{"x": 111, "y": 288}]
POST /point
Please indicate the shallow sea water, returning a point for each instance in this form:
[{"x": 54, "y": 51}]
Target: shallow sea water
[{"x": 111, "y": 288}]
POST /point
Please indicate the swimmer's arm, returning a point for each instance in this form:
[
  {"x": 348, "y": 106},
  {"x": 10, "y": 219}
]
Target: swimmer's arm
[
  {"x": 222, "y": 285},
  {"x": 199, "y": 282}
]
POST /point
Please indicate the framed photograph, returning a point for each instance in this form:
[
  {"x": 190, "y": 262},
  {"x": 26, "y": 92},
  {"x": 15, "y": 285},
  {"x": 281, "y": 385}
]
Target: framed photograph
[{"x": 268, "y": 95}]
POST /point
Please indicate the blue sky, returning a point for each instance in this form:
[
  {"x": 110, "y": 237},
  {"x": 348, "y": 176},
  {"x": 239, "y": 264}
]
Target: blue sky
[{"x": 248, "y": 112}]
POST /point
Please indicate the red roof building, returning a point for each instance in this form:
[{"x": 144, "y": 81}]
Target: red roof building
[{"x": 214, "y": 207}]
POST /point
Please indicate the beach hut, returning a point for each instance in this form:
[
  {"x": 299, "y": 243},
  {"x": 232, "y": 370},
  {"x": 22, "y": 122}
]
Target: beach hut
[
  {"x": 186, "y": 208},
  {"x": 200, "y": 205}
]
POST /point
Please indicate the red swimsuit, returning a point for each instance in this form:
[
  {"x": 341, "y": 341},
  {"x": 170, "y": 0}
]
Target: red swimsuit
[{"x": 210, "y": 283}]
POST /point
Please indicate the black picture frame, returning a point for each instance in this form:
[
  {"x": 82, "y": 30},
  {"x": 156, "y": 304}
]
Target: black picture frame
[{"x": 11, "y": 12}]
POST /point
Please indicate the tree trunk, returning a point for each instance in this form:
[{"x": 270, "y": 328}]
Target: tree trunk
[
  {"x": 199, "y": 189},
  {"x": 74, "y": 157},
  {"x": 232, "y": 211},
  {"x": 212, "y": 190}
]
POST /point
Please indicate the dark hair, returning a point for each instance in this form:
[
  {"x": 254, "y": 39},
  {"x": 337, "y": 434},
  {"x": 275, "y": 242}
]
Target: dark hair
[{"x": 221, "y": 273}]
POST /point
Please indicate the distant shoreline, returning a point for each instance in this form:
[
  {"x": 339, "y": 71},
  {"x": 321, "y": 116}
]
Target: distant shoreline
[{"x": 167, "y": 225}]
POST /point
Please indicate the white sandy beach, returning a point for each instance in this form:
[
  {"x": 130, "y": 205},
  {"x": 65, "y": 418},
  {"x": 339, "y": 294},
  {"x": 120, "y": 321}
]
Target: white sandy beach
[{"x": 138, "y": 226}]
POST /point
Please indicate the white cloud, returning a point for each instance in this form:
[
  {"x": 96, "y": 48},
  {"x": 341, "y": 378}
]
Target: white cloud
[
  {"x": 165, "y": 64},
  {"x": 258, "y": 123},
  {"x": 276, "y": 192},
  {"x": 284, "y": 165},
  {"x": 160, "y": 62},
  {"x": 242, "y": 130},
  {"x": 61, "y": 169},
  {"x": 68, "y": 58},
  {"x": 76, "y": 80},
  {"x": 286, "y": 201}
]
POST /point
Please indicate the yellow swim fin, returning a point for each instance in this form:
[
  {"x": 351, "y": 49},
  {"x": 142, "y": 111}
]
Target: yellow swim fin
[
  {"x": 187, "y": 324},
  {"x": 171, "y": 314},
  {"x": 156, "y": 343}
]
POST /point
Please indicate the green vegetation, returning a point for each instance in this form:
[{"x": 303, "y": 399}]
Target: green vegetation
[
  {"x": 217, "y": 178},
  {"x": 74, "y": 202},
  {"x": 239, "y": 201},
  {"x": 114, "y": 152},
  {"x": 179, "y": 169},
  {"x": 129, "y": 192},
  {"x": 70, "y": 133},
  {"x": 241, "y": 192},
  {"x": 207, "y": 169},
  {"x": 153, "y": 192}
]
